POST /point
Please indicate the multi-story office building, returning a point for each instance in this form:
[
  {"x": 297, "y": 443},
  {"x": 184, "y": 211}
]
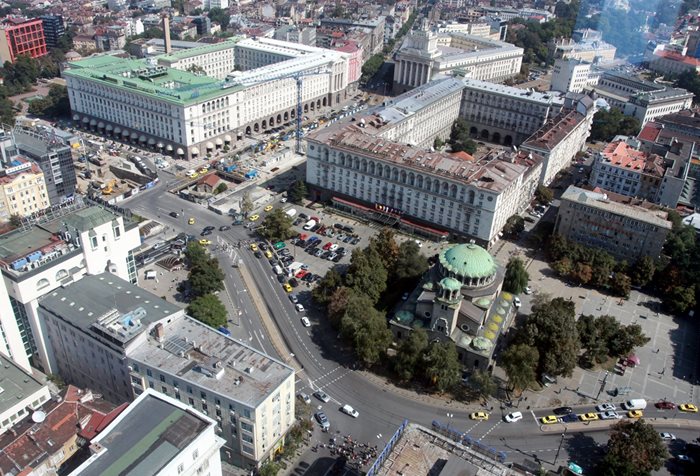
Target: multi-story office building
[
  {"x": 374, "y": 26},
  {"x": 203, "y": 24},
  {"x": 625, "y": 230},
  {"x": 216, "y": 60},
  {"x": 418, "y": 116},
  {"x": 209, "y": 4},
  {"x": 671, "y": 62},
  {"x": 68, "y": 242},
  {"x": 22, "y": 189},
  {"x": 561, "y": 138},
  {"x": 129, "y": 340},
  {"x": 21, "y": 394},
  {"x": 53, "y": 29},
  {"x": 424, "y": 54},
  {"x": 189, "y": 114},
  {"x": 573, "y": 75},
  {"x": 592, "y": 51},
  {"x": 52, "y": 154},
  {"x": 622, "y": 169},
  {"x": 504, "y": 114},
  {"x": 21, "y": 36},
  {"x": 443, "y": 193},
  {"x": 305, "y": 35},
  {"x": 184, "y": 440}
]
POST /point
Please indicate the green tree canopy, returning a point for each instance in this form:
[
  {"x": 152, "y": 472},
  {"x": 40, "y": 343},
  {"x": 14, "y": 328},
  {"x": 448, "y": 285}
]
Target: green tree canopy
[
  {"x": 367, "y": 274},
  {"x": 298, "y": 192},
  {"x": 516, "y": 278},
  {"x": 544, "y": 194},
  {"x": 384, "y": 244},
  {"x": 642, "y": 271},
  {"x": 514, "y": 226},
  {"x": 371, "y": 66},
  {"x": 246, "y": 204},
  {"x": 366, "y": 328},
  {"x": 410, "y": 353},
  {"x": 326, "y": 286},
  {"x": 634, "y": 449},
  {"x": 220, "y": 16},
  {"x": 460, "y": 140},
  {"x": 608, "y": 124},
  {"x": 277, "y": 226},
  {"x": 209, "y": 310},
  {"x": 520, "y": 364},
  {"x": 441, "y": 365},
  {"x": 410, "y": 263},
  {"x": 205, "y": 275}
]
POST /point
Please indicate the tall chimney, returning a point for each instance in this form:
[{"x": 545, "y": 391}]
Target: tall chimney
[{"x": 166, "y": 31}]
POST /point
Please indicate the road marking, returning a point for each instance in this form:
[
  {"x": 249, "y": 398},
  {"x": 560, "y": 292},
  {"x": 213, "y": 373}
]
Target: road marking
[
  {"x": 490, "y": 430},
  {"x": 533, "y": 415}
]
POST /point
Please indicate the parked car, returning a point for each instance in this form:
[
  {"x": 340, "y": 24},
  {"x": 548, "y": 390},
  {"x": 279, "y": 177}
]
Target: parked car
[
  {"x": 322, "y": 419},
  {"x": 609, "y": 415},
  {"x": 605, "y": 407},
  {"x": 323, "y": 396},
  {"x": 563, "y": 410},
  {"x": 305, "y": 322},
  {"x": 299, "y": 307},
  {"x": 304, "y": 398},
  {"x": 549, "y": 419},
  {"x": 665, "y": 405}
]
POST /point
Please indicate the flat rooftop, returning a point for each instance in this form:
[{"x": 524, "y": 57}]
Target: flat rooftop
[
  {"x": 203, "y": 356},
  {"x": 108, "y": 306},
  {"x": 16, "y": 384},
  {"x": 145, "y": 438},
  {"x": 513, "y": 92},
  {"x": 200, "y": 49},
  {"x": 423, "y": 96}
]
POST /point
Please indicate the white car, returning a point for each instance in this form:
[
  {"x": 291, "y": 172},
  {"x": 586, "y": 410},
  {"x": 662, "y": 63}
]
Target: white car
[
  {"x": 299, "y": 307},
  {"x": 667, "y": 436},
  {"x": 513, "y": 417},
  {"x": 606, "y": 407},
  {"x": 610, "y": 415},
  {"x": 528, "y": 290},
  {"x": 516, "y": 302},
  {"x": 348, "y": 410},
  {"x": 333, "y": 247},
  {"x": 305, "y": 322}
]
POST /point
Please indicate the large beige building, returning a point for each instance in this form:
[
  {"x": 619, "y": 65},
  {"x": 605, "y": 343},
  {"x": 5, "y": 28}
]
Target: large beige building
[
  {"x": 432, "y": 193},
  {"x": 22, "y": 189},
  {"x": 425, "y": 54},
  {"x": 627, "y": 231}
]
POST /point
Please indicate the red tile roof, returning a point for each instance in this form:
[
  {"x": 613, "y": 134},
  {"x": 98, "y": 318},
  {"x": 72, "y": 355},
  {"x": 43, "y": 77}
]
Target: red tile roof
[
  {"x": 464, "y": 156},
  {"x": 620, "y": 154},
  {"x": 210, "y": 179},
  {"x": 650, "y": 131},
  {"x": 672, "y": 55}
]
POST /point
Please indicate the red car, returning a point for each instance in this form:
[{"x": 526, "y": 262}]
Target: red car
[
  {"x": 301, "y": 274},
  {"x": 665, "y": 405},
  {"x": 327, "y": 246}
]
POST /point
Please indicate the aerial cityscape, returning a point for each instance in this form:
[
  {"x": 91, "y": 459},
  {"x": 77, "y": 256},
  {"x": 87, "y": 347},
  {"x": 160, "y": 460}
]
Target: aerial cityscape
[{"x": 333, "y": 237}]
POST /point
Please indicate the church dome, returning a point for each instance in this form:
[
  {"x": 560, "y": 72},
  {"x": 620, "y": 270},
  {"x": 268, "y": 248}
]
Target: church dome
[{"x": 469, "y": 264}]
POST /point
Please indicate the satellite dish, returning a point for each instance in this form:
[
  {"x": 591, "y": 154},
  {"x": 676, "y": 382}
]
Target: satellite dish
[{"x": 38, "y": 416}]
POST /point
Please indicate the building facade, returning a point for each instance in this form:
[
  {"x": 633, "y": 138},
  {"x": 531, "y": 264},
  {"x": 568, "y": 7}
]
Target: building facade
[
  {"x": 504, "y": 114},
  {"x": 424, "y": 54},
  {"x": 22, "y": 189},
  {"x": 626, "y": 231},
  {"x": 54, "y": 29},
  {"x": 68, "y": 242},
  {"x": 215, "y": 60},
  {"x": 150, "y": 425},
  {"x": 592, "y": 51},
  {"x": 572, "y": 76},
  {"x": 21, "y": 36},
  {"x": 470, "y": 199},
  {"x": 22, "y": 394}
]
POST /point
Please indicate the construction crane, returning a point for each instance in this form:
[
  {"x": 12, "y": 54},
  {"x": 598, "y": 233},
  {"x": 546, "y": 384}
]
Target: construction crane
[{"x": 299, "y": 78}]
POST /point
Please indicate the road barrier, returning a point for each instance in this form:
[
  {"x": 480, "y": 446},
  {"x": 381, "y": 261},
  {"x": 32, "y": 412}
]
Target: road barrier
[
  {"x": 469, "y": 442},
  {"x": 376, "y": 466}
]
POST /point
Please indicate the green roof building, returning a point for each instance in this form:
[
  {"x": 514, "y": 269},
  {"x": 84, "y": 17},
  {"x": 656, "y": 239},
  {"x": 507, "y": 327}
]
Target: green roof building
[{"x": 469, "y": 264}]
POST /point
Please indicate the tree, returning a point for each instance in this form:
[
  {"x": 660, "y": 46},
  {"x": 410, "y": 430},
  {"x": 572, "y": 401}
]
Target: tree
[
  {"x": 516, "y": 278},
  {"x": 689, "y": 80},
  {"x": 438, "y": 143},
  {"x": 622, "y": 284},
  {"x": 544, "y": 195},
  {"x": 371, "y": 66},
  {"x": 206, "y": 279},
  {"x": 220, "y": 16},
  {"x": 634, "y": 449},
  {"x": 222, "y": 187},
  {"x": 337, "y": 304},
  {"x": 366, "y": 274},
  {"x": 514, "y": 226},
  {"x": 196, "y": 254},
  {"x": 460, "y": 140},
  {"x": 384, "y": 244},
  {"x": 483, "y": 383},
  {"x": 271, "y": 468},
  {"x": 441, "y": 365},
  {"x": 410, "y": 263},
  {"x": 15, "y": 220},
  {"x": 551, "y": 329},
  {"x": 582, "y": 273},
  {"x": 626, "y": 339},
  {"x": 277, "y": 226},
  {"x": 409, "y": 354},
  {"x": 246, "y": 204},
  {"x": 298, "y": 192},
  {"x": 326, "y": 286},
  {"x": 209, "y": 310},
  {"x": 365, "y": 327},
  {"x": 520, "y": 363},
  {"x": 642, "y": 271},
  {"x": 608, "y": 124},
  {"x": 680, "y": 299}
]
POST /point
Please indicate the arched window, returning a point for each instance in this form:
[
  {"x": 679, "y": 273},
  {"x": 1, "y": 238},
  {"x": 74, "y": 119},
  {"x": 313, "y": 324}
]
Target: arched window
[
  {"x": 62, "y": 273},
  {"x": 42, "y": 283}
]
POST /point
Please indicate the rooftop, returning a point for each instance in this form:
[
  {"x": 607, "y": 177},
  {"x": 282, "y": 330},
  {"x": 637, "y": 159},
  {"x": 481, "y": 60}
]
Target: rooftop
[
  {"x": 419, "y": 98},
  {"x": 108, "y": 307},
  {"x": 200, "y": 49},
  {"x": 602, "y": 201},
  {"x": 141, "y": 77},
  {"x": 207, "y": 358},
  {"x": 488, "y": 173},
  {"x": 673, "y": 56},
  {"x": 620, "y": 154},
  {"x": 513, "y": 92},
  {"x": 145, "y": 438},
  {"x": 16, "y": 384},
  {"x": 554, "y": 131}
]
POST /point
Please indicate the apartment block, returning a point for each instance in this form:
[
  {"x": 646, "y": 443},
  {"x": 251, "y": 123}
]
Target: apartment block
[
  {"x": 21, "y": 36},
  {"x": 21, "y": 394},
  {"x": 22, "y": 189}
]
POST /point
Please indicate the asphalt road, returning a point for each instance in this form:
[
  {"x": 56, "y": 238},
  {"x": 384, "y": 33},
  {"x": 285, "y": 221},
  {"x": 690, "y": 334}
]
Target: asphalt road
[{"x": 328, "y": 366}]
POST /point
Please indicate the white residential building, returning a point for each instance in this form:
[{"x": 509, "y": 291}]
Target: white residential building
[
  {"x": 209, "y": 4},
  {"x": 21, "y": 393},
  {"x": 505, "y": 114},
  {"x": 65, "y": 245},
  {"x": 425, "y": 54},
  {"x": 129, "y": 340},
  {"x": 572, "y": 75},
  {"x": 216, "y": 59},
  {"x": 435, "y": 193},
  {"x": 185, "y": 441}
]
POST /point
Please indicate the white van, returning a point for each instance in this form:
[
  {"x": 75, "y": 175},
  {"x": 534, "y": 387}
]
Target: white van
[
  {"x": 277, "y": 270},
  {"x": 635, "y": 404},
  {"x": 348, "y": 410},
  {"x": 150, "y": 274},
  {"x": 291, "y": 212},
  {"x": 309, "y": 225}
]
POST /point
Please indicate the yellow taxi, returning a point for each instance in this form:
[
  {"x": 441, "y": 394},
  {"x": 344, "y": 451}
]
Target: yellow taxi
[
  {"x": 688, "y": 407},
  {"x": 479, "y": 416},
  {"x": 589, "y": 417},
  {"x": 287, "y": 287},
  {"x": 635, "y": 414},
  {"x": 268, "y": 208},
  {"x": 253, "y": 247},
  {"x": 253, "y": 217},
  {"x": 268, "y": 254},
  {"x": 190, "y": 221},
  {"x": 204, "y": 242},
  {"x": 549, "y": 419}
]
